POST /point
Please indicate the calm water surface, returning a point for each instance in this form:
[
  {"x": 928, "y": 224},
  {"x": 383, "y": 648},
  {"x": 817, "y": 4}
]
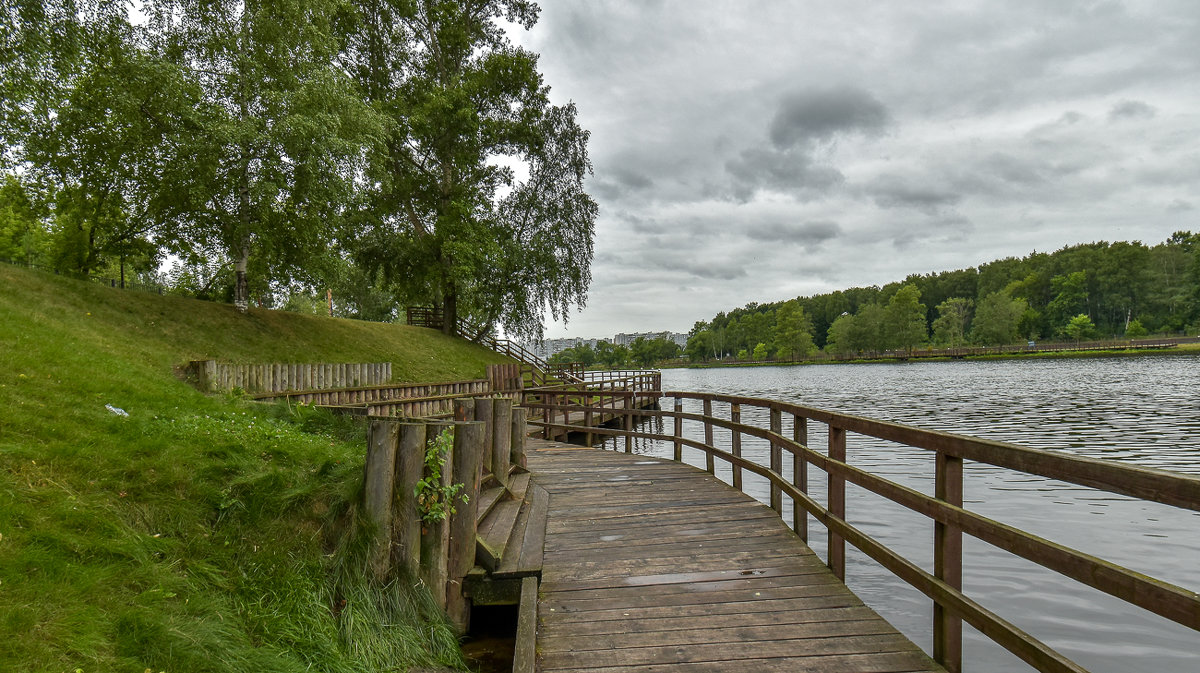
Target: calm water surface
[{"x": 1144, "y": 411}]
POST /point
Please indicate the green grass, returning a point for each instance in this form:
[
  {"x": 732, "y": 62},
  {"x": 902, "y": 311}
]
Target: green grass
[{"x": 199, "y": 533}]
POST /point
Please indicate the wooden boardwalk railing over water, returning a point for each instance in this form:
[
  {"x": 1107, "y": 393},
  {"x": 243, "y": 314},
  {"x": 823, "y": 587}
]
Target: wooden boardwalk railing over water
[
  {"x": 568, "y": 411},
  {"x": 655, "y": 565}
]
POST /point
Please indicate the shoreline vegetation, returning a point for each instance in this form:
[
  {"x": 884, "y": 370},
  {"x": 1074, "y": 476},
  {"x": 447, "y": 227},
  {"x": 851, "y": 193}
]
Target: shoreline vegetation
[{"x": 1189, "y": 347}]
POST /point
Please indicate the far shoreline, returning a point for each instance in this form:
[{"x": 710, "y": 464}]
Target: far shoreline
[{"x": 1192, "y": 349}]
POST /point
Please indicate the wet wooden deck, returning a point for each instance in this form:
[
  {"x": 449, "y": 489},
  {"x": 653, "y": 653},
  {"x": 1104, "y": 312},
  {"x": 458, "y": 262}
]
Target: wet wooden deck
[{"x": 650, "y": 565}]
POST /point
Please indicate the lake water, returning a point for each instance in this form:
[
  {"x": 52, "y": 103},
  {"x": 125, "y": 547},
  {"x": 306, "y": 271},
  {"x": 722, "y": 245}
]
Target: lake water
[{"x": 1143, "y": 410}]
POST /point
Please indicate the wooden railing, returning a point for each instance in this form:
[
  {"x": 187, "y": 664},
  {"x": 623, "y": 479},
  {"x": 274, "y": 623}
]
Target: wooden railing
[
  {"x": 537, "y": 370},
  {"x": 945, "y": 508},
  {"x": 399, "y": 393},
  {"x": 597, "y": 401}
]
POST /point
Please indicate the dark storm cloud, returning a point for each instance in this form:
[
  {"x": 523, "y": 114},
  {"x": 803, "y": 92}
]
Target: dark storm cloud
[
  {"x": 1132, "y": 109},
  {"x": 820, "y": 114},
  {"x": 807, "y": 234}
]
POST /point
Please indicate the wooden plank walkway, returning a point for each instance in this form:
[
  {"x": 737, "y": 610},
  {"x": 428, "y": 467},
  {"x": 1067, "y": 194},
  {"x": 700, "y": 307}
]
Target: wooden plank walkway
[{"x": 651, "y": 565}]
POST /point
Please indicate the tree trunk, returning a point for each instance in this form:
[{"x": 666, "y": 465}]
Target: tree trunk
[
  {"x": 450, "y": 312},
  {"x": 241, "y": 288}
]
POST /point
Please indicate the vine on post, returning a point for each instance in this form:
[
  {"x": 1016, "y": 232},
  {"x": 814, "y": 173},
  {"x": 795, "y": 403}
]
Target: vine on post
[{"x": 437, "y": 500}]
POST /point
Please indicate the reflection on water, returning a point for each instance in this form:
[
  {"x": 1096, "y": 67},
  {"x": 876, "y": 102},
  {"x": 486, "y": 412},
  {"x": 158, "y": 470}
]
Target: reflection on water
[{"x": 1137, "y": 410}]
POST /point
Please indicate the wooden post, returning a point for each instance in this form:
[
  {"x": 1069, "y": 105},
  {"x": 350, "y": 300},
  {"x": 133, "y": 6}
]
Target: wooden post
[
  {"x": 800, "y": 476},
  {"x": 406, "y": 517},
  {"x": 519, "y": 430},
  {"x": 501, "y": 446},
  {"x": 379, "y": 474},
  {"x": 947, "y": 563},
  {"x": 469, "y": 450},
  {"x": 776, "y": 460},
  {"x": 464, "y": 410},
  {"x": 709, "y": 463},
  {"x": 735, "y": 442},
  {"x": 837, "y": 503},
  {"x": 564, "y": 401},
  {"x": 678, "y": 429},
  {"x": 205, "y": 372},
  {"x": 588, "y": 402},
  {"x": 435, "y": 535},
  {"x": 627, "y": 423},
  {"x": 483, "y": 414}
]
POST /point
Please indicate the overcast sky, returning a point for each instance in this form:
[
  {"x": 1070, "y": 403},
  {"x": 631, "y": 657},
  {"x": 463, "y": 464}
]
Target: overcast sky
[{"x": 758, "y": 151}]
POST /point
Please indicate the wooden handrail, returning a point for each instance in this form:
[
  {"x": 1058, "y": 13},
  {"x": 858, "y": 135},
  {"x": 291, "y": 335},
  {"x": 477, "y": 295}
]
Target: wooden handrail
[{"x": 945, "y": 509}]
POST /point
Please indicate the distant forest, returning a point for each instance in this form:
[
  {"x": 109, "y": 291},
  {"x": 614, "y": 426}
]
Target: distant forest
[{"x": 1093, "y": 290}]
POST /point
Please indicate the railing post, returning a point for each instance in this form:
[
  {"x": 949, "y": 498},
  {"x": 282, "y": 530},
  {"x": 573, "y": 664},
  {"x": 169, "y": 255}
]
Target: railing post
[
  {"x": 735, "y": 443},
  {"x": 519, "y": 430},
  {"x": 588, "y": 401},
  {"x": 379, "y": 478},
  {"x": 800, "y": 476},
  {"x": 435, "y": 535},
  {"x": 483, "y": 414},
  {"x": 947, "y": 563},
  {"x": 469, "y": 450},
  {"x": 678, "y": 430},
  {"x": 406, "y": 520},
  {"x": 627, "y": 423},
  {"x": 709, "y": 462},
  {"x": 501, "y": 446},
  {"x": 776, "y": 460},
  {"x": 566, "y": 419},
  {"x": 837, "y": 503}
]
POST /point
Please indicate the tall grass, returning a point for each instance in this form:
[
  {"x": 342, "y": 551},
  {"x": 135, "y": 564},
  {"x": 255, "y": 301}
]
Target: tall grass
[{"x": 197, "y": 533}]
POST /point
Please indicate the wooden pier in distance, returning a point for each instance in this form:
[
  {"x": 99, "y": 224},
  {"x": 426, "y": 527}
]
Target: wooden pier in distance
[{"x": 652, "y": 565}]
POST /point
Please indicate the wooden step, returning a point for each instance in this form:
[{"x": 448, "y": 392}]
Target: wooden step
[
  {"x": 528, "y": 537},
  {"x": 518, "y": 484},
  {"x": 488, "y": 497},
  {"x": 494, "y": 532}
]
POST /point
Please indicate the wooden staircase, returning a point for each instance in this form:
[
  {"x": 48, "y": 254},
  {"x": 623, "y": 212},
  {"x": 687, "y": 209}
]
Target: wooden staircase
[{"x": 510, "y": 535}]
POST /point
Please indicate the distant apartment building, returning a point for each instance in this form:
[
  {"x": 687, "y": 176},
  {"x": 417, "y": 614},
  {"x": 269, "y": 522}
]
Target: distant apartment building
[
  {"x": 624, "y": 339},
  {"x": 548, "y": 347}
]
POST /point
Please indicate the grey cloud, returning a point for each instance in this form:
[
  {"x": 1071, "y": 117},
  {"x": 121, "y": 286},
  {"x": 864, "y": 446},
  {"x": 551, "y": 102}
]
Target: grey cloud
[
  {"x": 632, "y": 179},
  {"x": 819, "y": 114},
  {"x": 1179, "y": 206},
  {"x": 790, "y": 171},
  {"x": 808, "y": 234},
  {"x": 1132, "y": 109},
  {"x": 689, "y": 263},
  {"x": 893, "y": 191}
]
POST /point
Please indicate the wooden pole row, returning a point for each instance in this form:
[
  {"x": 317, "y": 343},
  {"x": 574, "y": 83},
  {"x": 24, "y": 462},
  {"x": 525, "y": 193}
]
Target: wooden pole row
[
  {"x": 277, "y": 377},
  {"x": 488, "y": 433}
]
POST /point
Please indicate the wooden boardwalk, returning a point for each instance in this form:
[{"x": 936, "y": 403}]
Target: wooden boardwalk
[{"x": 651, "y": 565}]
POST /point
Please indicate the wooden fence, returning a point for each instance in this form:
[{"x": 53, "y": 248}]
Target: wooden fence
[
  {"x": 284, "y": 377},
  {"x": 399, "y": 394},
  {"x": 488, "y": 436},
  {"x": 949, "y": 517}
]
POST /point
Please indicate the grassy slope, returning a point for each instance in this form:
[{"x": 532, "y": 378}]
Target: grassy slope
[{"x": 194, "y": 534}]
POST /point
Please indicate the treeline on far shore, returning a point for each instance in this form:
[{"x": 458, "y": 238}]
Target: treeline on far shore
[{"x": 1096, "y": 290}]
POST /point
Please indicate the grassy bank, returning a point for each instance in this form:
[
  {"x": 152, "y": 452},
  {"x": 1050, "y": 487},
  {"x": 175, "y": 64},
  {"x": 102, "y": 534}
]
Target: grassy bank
[{"x": 197, "y": 533}]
